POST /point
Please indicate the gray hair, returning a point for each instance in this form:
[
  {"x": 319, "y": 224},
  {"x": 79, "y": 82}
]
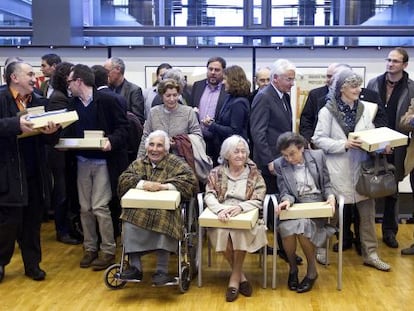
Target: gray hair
[
  {"x": 116, "y": 61},
  {"x": 158, "y": 133},
  {"x": 177, "y": 75},
  {"x": 343, "y": 78},
  {"x": 280, "y": 67},
  {"x": 229, "y": 145}
]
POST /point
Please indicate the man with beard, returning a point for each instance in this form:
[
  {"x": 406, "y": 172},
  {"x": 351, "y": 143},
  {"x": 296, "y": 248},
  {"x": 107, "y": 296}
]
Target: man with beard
[{"x": 207, "y": 97}]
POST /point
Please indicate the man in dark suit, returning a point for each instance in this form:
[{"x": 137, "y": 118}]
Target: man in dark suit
[
  {"x": 23, "y": 186},
  {"x": 207, "y": 96},
  {"x": 271, "y": 116},
  {"x": 129, "y": 90}
]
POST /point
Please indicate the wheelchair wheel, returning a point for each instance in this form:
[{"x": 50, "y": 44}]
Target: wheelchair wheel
[
  {"x": 184, "y": 280},
  {"x": 112, "y": 277}
]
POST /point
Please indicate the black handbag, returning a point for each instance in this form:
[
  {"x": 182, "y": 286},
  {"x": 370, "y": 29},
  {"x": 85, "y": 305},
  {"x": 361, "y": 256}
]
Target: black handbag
[{"x": 376, "y": 178}]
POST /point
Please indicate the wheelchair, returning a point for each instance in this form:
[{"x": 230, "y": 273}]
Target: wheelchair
[{"x": 186, "y": 250}]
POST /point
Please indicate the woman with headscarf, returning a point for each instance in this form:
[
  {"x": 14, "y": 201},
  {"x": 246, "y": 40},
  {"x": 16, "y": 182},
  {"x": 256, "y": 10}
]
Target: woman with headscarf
[{"x": 342, "y": 114}]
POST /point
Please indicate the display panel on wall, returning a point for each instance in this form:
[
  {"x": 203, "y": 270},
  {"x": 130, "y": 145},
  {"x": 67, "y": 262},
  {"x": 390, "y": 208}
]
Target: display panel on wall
[{"x": 308, "y": 78}]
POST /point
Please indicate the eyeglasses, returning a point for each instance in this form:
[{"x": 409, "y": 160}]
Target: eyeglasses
[
  {"x": 394, "y": 61},
  {"x": 70, "y": 80}
]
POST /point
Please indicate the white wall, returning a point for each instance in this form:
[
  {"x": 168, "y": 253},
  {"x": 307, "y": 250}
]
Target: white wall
[{"x": 137, "y": 58}]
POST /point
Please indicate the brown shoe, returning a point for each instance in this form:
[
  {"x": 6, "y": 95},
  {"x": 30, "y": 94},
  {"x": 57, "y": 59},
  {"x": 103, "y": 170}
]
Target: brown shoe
[
  {"x": 245, "y": 288},
  {"x": 103, "y": 262},
  {"x": 231, "y": 294},
  {"x": 87, "y": 259}
]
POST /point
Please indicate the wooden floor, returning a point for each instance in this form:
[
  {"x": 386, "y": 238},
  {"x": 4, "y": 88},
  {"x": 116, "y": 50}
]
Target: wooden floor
[{"x": 67, "y": 287}]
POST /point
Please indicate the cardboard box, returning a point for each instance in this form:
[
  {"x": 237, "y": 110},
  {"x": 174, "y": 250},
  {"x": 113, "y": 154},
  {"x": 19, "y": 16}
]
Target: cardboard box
[
  {"x": 81, "y": 143},
  {"x": 378, "y": 138},
  {"x": 62, "y": 117},
  {"x": 40, "y": 119},
  {"x": 242, "y": 221},
  {"x": 307, "y": 210},
  {"x": 164, "y": 199}
]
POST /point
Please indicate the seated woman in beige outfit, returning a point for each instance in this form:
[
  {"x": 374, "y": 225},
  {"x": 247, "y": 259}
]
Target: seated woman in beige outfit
[{"x": 236, "y": 186}]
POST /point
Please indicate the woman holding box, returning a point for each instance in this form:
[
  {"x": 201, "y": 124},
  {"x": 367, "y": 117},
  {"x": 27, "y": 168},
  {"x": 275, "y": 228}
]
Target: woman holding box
[
  {"x": 342, "y": 114},
  {"x": 147, "y": 230},
  {"x": 302, "y": 177},
  {"x": 236, "y": 186}
]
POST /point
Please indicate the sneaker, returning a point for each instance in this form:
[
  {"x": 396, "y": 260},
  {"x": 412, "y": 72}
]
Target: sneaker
[
  {"x": 132, "y": 274},
  {"x": 321, "y": 255},
  {"x": 378, "y": 264},
  {"x": 87, "y": 259},
  {"x": 160, "y": 278},
  {"x": 103, "y": 262}
]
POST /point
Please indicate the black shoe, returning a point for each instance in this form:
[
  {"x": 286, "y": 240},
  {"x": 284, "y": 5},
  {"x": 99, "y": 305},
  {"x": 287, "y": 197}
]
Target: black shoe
[
  {"x": 282, "y": 254},
  {"x": 67, "y": 239},
  {"x": 160, "y": 278},
  {"x": 36, "y": 274},
  {"x": 132, "y": 273},
  {"x": 293, "y": 280},
  {"x": 306, "y": 284},
  {"x": 345, "y": 246},
  {"x": 1, "y": 273},
  {"x": 390, "y": 240}
]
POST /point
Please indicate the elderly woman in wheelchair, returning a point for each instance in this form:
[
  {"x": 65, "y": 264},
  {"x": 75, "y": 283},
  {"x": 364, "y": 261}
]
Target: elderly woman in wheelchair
[
  {"x": 302, "y": 177},
  {"x": 236, "y": 186},
  {"x": 148, "y": 230}
]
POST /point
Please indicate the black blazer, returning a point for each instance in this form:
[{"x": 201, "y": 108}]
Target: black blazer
[{"x": 113, "y": 121}]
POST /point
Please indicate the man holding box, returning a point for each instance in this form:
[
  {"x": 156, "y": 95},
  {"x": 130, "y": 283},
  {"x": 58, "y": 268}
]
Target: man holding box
[
  {"x": 98, "y": 170},
  {"x": 23, "y": 186},
  {"x": 396, "y": 89}
]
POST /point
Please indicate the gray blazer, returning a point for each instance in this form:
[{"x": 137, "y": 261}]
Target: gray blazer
[
  {"x": 315, "y": 162},
  {"x": 134, "y": 98}
]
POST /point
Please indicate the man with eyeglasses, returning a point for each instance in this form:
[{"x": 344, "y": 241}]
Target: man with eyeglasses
[
  {"x": 396, "y": 90},
  {"x": 271, "y": 116},
  {"x": 97, "y": 170}
]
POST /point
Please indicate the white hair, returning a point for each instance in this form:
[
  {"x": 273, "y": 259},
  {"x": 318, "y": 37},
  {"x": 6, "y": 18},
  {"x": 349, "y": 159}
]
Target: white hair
[
  {"x": 280, "y": 67},
  {"x": 177, "y": 75},
  {"x": 229, "y": 145},
  {"x": 158, "y": 133}
]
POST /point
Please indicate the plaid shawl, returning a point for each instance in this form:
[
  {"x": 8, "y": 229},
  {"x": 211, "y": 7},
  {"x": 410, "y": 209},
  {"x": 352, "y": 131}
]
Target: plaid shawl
[
  {"x": 255, "y": 188},
  {"x": 169, "y": 170}
]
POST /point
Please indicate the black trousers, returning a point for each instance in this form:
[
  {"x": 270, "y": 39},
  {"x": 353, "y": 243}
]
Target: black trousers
[{"x": 22, "y": 224}]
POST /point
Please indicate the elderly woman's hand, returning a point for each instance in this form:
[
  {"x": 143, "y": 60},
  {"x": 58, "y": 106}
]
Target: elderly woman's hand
[
  {"x": 231, "y": 211},
  {"x": 284, "y": 205},
  {"x": 331, "y": 200},
  {"x": 153, "y": 186},
  {"x": 353, "y": 143}
]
